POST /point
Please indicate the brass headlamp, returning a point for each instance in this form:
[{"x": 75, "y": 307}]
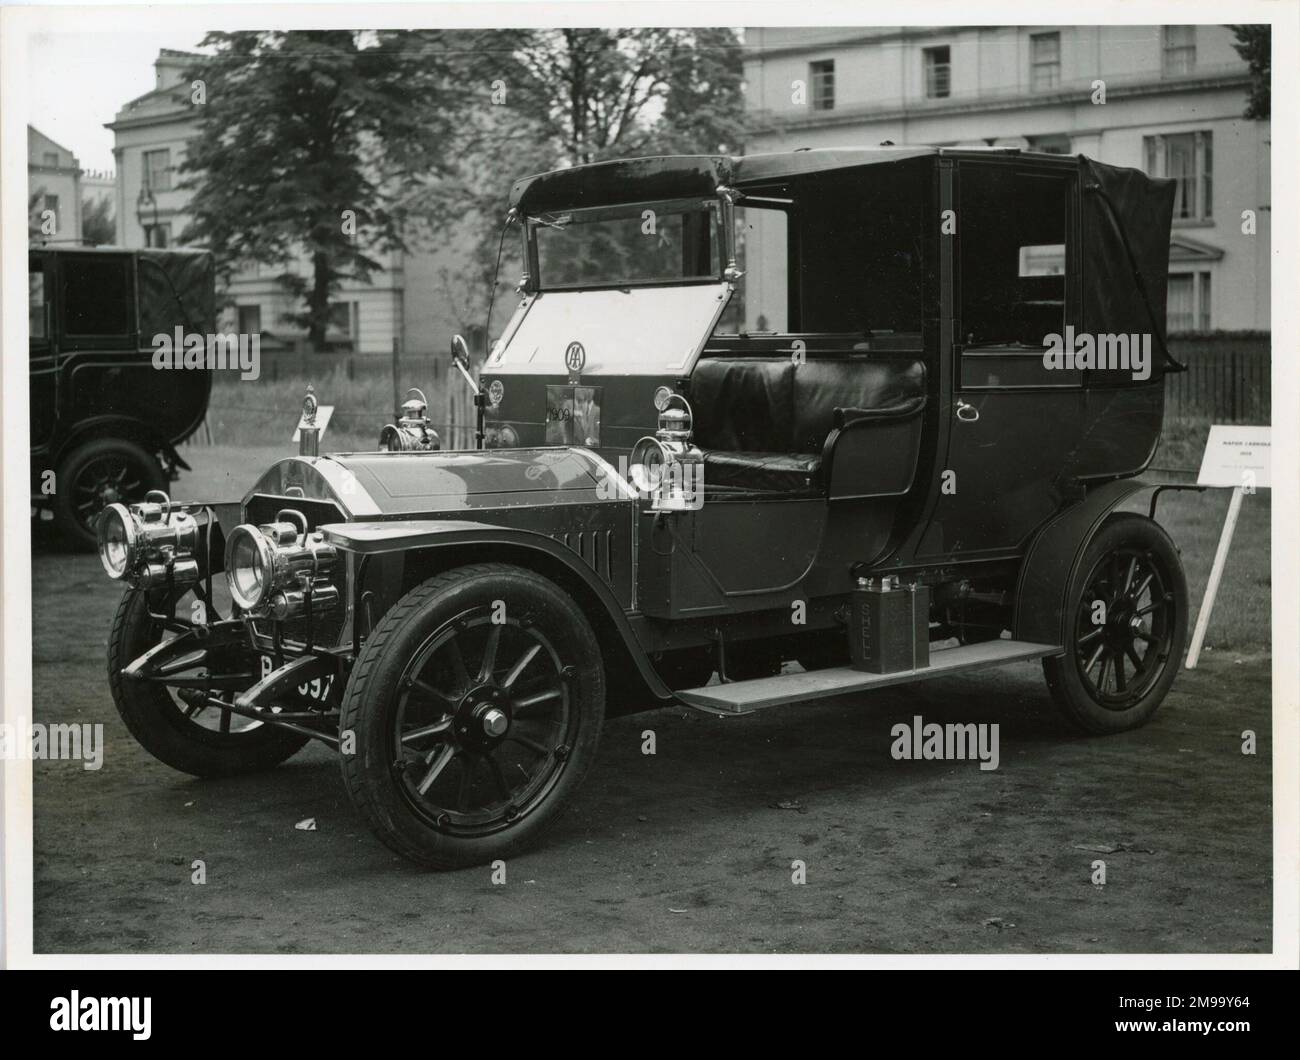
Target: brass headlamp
[
  {"x": 668, "y": 467},
  {"x": 412, "y": 432},
  {"x": 149, "y": 544},
  {"x": 279, "y": 569}
]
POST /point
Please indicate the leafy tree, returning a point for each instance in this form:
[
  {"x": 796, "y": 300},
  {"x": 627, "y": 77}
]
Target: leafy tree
[
  {"x": 97, "y": 225},
  {"x": 312, "y": 145},
  {"x": 1255, "y": 45},
  {"x": 550, "y": 98}
]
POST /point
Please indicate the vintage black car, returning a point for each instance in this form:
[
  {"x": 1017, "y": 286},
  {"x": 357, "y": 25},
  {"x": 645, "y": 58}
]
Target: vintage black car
[
  {"x": 762, "y": 429},
  {"x": 104, "y": 422}
]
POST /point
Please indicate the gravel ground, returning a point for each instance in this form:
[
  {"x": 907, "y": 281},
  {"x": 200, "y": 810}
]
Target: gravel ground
[{"x": 690, "y": 849}]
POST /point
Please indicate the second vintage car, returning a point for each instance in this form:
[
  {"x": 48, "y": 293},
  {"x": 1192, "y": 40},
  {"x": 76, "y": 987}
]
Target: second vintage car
[{"x": 761, "y": 430}]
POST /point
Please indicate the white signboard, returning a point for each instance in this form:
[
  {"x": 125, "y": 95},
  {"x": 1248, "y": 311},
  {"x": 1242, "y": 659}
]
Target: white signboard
[
  {"x": 323, "y": 414},
  {"x": 1233, "y": 455}
]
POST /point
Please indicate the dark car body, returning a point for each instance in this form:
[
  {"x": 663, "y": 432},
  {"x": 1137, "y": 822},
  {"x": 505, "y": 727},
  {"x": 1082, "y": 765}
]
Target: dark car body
[
  {"x": 92, "y": 315},
  {"x": 873, "y": 409}
]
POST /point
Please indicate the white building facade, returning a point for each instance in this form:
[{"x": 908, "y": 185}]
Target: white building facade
[{"x": 1165, "y": 99}]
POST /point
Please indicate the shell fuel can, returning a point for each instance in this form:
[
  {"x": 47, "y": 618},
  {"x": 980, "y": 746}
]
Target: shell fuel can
[{"x": 889, "y": 626}]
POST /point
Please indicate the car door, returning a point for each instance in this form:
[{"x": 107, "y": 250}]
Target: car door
[{"x": 1014, "y": 418}]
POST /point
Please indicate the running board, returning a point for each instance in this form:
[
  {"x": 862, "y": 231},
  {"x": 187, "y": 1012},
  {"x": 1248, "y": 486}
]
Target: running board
[{"x": 741, "y": 697}]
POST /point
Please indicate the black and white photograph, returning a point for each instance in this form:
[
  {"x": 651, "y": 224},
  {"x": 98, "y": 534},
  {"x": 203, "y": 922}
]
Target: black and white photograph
[{"x": 646, "y": 481}]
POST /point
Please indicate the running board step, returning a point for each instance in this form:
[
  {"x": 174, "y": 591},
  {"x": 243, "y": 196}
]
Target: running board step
[{"x": 741, "y": 697}]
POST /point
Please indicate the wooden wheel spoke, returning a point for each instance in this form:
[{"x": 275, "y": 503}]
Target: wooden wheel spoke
[
  {"x": 498, "y": 777},
  {"x": 527, "y": 741},
  {"x": 438, "y": 728},
  {"x": 1088, "y": 638},
  {"x": 457, "y": 660},
  {"x": 439, "y": 758},
  {"x": 428, "y": 689},
  {"x": 1101, "y": 650},
  {"x": 1120, "y": 681},
  {"x": 525, "y": 702},
  {"x": 521, "y": 665},
  {"x": 490, "y": 652}
]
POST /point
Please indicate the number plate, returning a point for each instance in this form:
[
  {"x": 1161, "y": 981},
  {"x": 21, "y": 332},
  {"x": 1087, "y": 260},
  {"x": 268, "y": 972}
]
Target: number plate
[{"x": 316, "y": 693}]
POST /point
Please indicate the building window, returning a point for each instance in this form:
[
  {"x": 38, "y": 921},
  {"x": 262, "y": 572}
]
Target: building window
[
  {"x": 52, "y": 159},
  {"x": 345, "y": 322},
  {"x": 1050, "y": 143},
  {"x": 938, "y": 72},
  {"x": 159, "y": 235},
  {"x": 1188, "y": 159},
  {"x": 250, "y": 320},
  {"x": 822, "y": 77},
  {"x": 1179, "y": 50},
  {"x": 52, "y": 204},
  {"x": 158, "y": 170},
  {"x": 1044, "y": 61},
  {"x": 1189, "y": 302}
]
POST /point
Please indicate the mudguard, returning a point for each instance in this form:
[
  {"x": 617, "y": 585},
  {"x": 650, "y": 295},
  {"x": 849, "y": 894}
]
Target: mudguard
[
  {"x": 373, "y": 538},
  {"x": 1053, "y": 558}
]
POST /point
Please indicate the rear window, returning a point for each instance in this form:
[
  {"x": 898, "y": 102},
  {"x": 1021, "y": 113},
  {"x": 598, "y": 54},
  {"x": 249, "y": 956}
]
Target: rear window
[{"x": 96, "y": 295}]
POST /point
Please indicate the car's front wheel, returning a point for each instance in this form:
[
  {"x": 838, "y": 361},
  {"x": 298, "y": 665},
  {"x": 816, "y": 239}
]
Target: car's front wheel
[
  {"x": 1126, "y": 628},
  {"x": 472, "y": 715},
  {"x": 188, "y": 734}
]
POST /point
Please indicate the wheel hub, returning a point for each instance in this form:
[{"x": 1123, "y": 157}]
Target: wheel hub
[{"x": 483, "y": 716}]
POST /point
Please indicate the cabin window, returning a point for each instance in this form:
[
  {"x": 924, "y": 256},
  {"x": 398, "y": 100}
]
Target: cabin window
[
  {"x": 1013, "y": 236},
  {"x": 36, "y": 303},
  {"x": 96, "y": 296},
  {"x": 760, "y": 303}
]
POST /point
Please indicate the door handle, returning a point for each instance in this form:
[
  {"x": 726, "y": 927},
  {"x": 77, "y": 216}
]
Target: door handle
[{"x": 967, "y": 413}]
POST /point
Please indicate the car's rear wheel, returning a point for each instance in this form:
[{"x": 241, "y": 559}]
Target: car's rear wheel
[
  {"x": 474, "y": 712},
  {"x": 1127, "y": 628},
  {"x": 101, "y": 472},
  {"x": 188, "y": 734}
]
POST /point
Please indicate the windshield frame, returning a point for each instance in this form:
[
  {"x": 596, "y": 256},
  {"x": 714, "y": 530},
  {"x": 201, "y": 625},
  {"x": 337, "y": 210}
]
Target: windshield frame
[{"x": 719, "y": 227}]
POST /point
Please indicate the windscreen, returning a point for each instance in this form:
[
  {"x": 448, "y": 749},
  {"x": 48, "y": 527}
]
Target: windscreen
[
  {"x": 632, "y": 331},
  {"x": 621, "y": 246}
]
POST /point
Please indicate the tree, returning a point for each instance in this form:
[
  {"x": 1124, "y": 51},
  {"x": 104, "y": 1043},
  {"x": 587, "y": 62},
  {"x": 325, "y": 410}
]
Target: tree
[
  {"x": 1255, "y": 45},
  {"x": 550, "y": 98},
  {"x": 97, "y": 225},
  {"x": 313, "y": 144}
]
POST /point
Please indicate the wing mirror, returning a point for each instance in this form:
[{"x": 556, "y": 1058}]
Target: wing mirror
[{"x": 460, "y": 361}]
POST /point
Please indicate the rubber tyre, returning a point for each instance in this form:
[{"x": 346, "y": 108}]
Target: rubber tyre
[
  {"x": 155, "y": 720},
  {"x": 371, "y": 698},
  {"x": 1067, "y": 687},
  {"x": 142, "y": 465}
]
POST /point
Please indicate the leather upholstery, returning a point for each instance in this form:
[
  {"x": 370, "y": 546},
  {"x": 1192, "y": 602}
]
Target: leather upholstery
[
  {"x": 785, "y": 472},
  {"x": 762, "y": 422}
]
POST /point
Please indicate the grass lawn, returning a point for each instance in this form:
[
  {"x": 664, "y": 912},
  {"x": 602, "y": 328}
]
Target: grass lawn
[{"x": 1241, "y": 619}]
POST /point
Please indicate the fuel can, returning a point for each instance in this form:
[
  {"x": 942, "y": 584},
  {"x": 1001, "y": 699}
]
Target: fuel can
[{"x": 889, "y": 626}]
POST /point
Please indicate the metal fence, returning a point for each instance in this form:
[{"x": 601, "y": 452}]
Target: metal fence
[{"x": 1228, "y": 378}]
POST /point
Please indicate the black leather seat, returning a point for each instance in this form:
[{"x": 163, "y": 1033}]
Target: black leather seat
[{"x": 763, "y": 422}]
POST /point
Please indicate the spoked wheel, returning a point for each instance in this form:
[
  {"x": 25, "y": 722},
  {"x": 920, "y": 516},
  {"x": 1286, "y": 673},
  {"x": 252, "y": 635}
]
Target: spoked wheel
[
  {"x": 175, "y": 722},
  {"x": 1128, "y": 626},
  {"x": 476, "y": 707},
  {"x": 99, "y": 473}
]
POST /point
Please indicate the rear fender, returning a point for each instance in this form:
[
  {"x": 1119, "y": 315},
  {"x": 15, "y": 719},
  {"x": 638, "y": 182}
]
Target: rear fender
[
  {"x": 378, "y": 538},
  {"x": 1053, "y": 558}
]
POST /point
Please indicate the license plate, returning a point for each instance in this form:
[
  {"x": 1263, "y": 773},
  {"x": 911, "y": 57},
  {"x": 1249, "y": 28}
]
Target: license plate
[{"x": 316, "y": 692}]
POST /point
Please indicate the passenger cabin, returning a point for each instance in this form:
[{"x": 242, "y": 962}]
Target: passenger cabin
[{"x": 851, "y": 324}]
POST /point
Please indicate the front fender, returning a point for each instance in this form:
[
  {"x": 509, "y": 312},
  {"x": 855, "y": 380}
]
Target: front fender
[{"x": 401, "y": 535}]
